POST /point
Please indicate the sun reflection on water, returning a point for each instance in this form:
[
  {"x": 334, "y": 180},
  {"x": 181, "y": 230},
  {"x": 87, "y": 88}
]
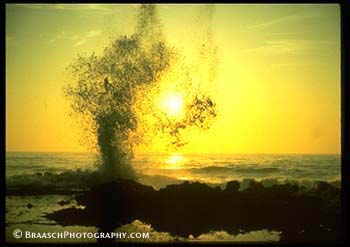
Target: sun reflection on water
[{"x": 175, "y": 161}]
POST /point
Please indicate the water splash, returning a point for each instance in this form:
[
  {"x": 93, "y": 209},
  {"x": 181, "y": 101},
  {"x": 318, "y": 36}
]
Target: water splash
[
  {"x": 105, "y": 90},
  {"x": 191, "y": 80}
]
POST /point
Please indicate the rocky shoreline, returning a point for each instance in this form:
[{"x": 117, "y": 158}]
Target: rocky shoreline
[{"x": 193, "y": 208}]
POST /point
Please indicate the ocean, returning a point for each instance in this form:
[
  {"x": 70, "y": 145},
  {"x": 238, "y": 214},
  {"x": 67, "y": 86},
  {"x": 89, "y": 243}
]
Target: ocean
[{"x": 71, "y": 171}]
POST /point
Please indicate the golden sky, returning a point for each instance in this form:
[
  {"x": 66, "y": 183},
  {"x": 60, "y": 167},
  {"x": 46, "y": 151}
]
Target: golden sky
[{"x": 277, "y": 90}]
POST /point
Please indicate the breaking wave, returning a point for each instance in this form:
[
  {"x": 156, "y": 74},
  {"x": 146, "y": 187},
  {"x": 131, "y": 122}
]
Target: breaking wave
[{"x": 73, "y": 181}]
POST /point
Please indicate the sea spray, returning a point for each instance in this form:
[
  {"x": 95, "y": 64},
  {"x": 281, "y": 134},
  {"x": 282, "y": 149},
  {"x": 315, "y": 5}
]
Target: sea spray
[
  {"x": 105, "y": 90},
  {"x": 190, "y": 77}
]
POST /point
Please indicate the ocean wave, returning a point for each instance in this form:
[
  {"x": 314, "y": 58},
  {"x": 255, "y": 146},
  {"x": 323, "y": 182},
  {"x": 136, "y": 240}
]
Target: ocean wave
[
  {"x": 77, "y": 180},
  {"x": 48, "y": 182}
]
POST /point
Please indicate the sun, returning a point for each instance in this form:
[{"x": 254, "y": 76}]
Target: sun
[
  {"x": 174, "y": 159},
  {"x": 172, "y": 104}
]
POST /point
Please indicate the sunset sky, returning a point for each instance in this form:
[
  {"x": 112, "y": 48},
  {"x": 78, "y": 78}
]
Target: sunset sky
[{"x": 277, "y": 90}]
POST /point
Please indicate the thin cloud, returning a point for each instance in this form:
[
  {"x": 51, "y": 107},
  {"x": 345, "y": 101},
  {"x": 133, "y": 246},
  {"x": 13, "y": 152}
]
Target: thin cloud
[
  {"x": 87, "y": 36},
  {"x": 94, "y": 8},
  {"x": 283, "y": 65},
  {"x": 30, "y": 6},
  {"x": 286, "y": 33},
  {"x": 78, "y": 39},
  {"x": 262, "y": 25},
  {"x": 63, "y": 35},
  {"x": 69, "y": 7},
  {"x": 290, "y": 46},
  {"x": 80, "y": 43},
  {"x": 297, "y": 16},
  {"x": 93, "y": 33}
]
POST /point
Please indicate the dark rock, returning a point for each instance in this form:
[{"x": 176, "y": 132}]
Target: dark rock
[
  {"x": 63, "y": 202},
  {"x": 232, "y": 186},
  {"x": 326, "y": 190},
  {"x": 29, "y": 205},
  {"x": 196, "y": 208},
  {"x": 71, "y": 216},
  {"x": 255, "y": 187}
]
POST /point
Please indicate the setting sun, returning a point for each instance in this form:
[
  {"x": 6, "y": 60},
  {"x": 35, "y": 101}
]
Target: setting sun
[
  {"x": 172, "y": 104},
  {"x": 174, "y": 159}
]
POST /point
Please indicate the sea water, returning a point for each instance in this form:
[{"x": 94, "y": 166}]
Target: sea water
[{"x": 158, "y": 170}]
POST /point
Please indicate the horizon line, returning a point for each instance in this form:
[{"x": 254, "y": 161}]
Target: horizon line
[{"x": 179, "y": 153}]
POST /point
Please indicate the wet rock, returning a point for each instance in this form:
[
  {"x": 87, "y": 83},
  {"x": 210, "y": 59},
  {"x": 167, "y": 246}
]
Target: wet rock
[
  {"x": 327, "y": 191},
  {"x": 195, "y": 208},
  {"x": 63, "y": 202},
  {"x": 232, "y": 186}
]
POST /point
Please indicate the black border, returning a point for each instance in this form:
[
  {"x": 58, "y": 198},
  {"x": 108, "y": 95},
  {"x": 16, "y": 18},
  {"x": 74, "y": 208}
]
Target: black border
[
  {"x": 345, "y": 110},
  {"x": 2, "y": 127}
]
